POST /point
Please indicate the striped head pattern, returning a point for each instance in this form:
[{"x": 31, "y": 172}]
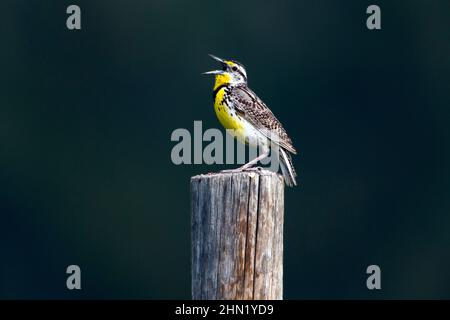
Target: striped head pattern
[{"x": 232, "y": 73}]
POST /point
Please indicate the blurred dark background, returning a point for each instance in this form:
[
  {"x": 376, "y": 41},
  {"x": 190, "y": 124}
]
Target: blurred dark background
[{"x": 86, "y": 118}]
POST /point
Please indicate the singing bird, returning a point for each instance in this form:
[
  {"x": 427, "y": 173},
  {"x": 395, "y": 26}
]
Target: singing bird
[{"x": 238, "y": 108}]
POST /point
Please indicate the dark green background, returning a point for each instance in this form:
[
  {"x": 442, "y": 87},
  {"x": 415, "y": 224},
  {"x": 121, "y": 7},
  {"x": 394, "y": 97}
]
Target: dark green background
[{"x": 86, "y": 118}]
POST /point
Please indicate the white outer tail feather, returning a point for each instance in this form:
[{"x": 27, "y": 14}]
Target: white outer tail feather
[{"x": 287, "y": 168}]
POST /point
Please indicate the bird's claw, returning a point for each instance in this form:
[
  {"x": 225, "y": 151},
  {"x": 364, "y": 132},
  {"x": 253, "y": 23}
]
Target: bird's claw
[{"x": 241, "y": 169}]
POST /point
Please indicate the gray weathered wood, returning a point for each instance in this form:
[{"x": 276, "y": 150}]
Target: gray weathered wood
[{"x": 237, "y": 235}]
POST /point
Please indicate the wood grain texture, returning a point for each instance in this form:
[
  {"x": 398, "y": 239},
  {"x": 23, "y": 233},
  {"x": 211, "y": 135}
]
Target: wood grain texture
[{"x": 237, "y": 236}]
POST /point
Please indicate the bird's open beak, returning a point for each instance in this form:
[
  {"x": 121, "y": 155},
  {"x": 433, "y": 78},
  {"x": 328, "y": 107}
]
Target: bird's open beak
[
  {"x": 216, "y": 71},
  {"x": 213, "y": 72},
  {"x": 216, "y": 58}
]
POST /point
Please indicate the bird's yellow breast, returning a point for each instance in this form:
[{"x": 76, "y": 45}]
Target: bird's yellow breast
[{"x": 227, "y": 117}]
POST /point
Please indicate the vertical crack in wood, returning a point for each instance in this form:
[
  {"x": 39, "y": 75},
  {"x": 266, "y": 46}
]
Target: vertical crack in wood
[
  {"x": 246, "y": 237},
  {"x": 274, "y": 266},
  {"x": 241, "y": 238},
  {"x": 219, "y": 247},
  {"x": 235, "y": 221},
  {"x": 225, "y": 193},
  {"x": 196, "y": 239},
  {"x": 251, "y": 232},
  {"x": 234, "y": 214},
  {"x": 205, "y": 213},
  {"x": 220, "y": 224},
  {"x": 258, "y": 206}
]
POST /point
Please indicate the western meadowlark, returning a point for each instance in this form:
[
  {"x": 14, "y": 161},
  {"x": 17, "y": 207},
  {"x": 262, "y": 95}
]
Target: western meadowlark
[{"x": 238, "y": 108}]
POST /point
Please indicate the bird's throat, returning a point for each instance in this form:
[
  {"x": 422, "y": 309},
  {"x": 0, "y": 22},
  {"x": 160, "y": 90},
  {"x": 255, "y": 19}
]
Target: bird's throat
[{"x": 222, "y": 80}]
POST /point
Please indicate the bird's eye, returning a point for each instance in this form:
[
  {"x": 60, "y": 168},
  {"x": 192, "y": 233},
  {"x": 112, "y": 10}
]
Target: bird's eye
[{"x": 234, "y": 68}]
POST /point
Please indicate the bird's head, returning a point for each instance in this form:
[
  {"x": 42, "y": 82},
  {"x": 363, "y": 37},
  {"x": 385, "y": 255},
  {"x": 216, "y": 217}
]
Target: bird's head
[{"x": 232, "y": 72}]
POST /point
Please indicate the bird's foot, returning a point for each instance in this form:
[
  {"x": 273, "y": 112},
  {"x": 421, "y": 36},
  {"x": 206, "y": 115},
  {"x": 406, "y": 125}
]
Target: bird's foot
[
  {"x": 254, "y": 169},
  {"x": 231, "y": 170},
  {"x": 241, "y": 169}
]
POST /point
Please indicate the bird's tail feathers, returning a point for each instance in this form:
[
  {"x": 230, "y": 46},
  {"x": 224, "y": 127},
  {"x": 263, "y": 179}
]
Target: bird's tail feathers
[{"x": 287, "y": 168}]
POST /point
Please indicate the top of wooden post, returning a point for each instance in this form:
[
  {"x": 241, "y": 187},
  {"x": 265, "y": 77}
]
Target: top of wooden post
[{"x": 249, "y": 173}]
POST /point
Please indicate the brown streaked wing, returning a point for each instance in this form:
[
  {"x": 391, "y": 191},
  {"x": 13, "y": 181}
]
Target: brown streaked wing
[{"x": 255, "y": 111}]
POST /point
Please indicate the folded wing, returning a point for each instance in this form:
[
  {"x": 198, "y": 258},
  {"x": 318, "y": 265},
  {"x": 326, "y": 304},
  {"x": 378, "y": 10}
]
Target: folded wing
[{"x": 254, "y": 110}]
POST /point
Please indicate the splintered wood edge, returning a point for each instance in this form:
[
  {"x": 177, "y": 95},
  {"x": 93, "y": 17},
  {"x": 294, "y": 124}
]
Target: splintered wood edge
[{"x": 263, "y": 172}]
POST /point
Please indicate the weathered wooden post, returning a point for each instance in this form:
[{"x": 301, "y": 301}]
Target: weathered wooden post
[{"x": 237, "y": 235}]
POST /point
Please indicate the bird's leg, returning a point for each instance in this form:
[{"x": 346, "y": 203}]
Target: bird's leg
[
  {"x": 248, "y": 165},
  {"x": 254, "y": 161}
]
